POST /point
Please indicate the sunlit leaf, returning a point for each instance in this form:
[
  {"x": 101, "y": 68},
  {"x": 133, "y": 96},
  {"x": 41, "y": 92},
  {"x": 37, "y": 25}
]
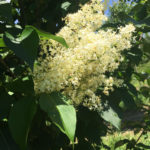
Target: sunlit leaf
[
  {"x": 62, "y": 114},
  {"x": 47, "y": 36}
]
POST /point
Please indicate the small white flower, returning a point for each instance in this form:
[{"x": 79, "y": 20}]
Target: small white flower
[{"x": 79, "y": 70}]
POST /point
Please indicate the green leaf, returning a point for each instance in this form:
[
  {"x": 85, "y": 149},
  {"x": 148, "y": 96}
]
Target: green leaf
[
  {"x": 62, "y": 114},
  {"x": 20, "y": 120},
  {"x": 65, "y": 5},
  {"x": 48, "y": 36},
  {"x": 5, "y": 11},
  {"x": 26, "y": 46},
  {"x": 2, "y": 44},
  {"x": 111, "y": 116}
]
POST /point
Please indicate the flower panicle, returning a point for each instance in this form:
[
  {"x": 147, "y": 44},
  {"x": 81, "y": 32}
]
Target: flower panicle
[{"x": 79, "y": 70}]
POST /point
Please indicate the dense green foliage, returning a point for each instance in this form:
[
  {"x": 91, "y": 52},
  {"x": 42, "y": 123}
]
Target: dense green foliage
[{"x": 48, "y": 121}]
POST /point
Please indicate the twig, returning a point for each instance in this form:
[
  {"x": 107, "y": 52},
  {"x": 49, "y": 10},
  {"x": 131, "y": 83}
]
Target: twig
[{"x": 139, "y": 136}]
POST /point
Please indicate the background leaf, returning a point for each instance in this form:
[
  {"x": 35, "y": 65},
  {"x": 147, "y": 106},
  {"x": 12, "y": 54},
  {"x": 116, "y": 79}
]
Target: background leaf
[{"x": 111, "y": 116}]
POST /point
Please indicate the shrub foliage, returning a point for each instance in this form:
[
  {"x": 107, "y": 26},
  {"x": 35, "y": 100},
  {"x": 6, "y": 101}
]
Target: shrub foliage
[{"x": 68, "y": 74}]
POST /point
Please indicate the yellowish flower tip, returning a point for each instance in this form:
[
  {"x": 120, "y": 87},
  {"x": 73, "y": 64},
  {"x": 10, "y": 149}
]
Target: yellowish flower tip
[{"x": 79, "y": 70}]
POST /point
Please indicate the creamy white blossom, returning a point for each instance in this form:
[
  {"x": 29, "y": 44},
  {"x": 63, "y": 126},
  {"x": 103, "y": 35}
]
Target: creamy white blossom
[{"x": 79, "y": 70}]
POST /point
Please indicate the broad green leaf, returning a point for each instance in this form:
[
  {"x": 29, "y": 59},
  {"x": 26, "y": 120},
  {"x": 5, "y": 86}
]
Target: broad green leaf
[
  {"x": 111, "y": 116},
  {"x": 5, "y": 11},
  {"x": 47, "y": 36},
  {"x": 2, "y": 44},
  {"x": 20, "y": 120},
  {"x": 62, "y": 114},
  {"x": 26, "y": 46}
]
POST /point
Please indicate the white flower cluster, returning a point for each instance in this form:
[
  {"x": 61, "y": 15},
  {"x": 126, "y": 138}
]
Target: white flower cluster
[{"x": 79, "y": 70}]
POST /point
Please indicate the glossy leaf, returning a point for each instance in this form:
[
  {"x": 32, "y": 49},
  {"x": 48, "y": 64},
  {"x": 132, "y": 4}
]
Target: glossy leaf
[
  {"x": 47, "y": 36},
  {"x": 20, "y": 120},
  {"x": 62, "y": 114},
  {"x": 26, "y": 46}
]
